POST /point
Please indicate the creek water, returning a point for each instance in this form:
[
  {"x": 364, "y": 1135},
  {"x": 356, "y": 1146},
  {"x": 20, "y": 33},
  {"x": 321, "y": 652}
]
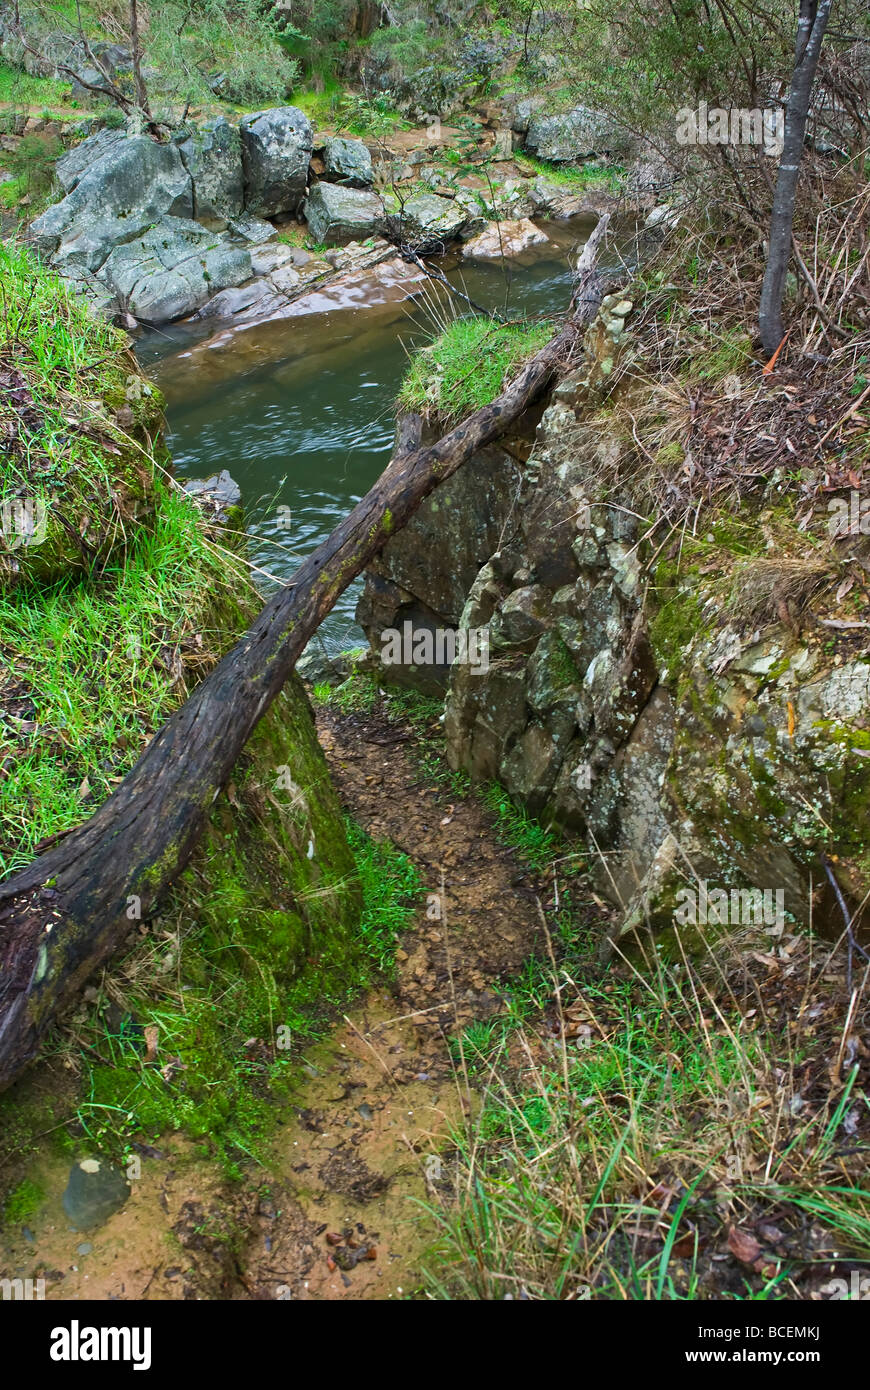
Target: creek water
[{"x": 301, "y": 410}]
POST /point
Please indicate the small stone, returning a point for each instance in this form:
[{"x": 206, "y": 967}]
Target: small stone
[{"x": 95, "y": 1191}]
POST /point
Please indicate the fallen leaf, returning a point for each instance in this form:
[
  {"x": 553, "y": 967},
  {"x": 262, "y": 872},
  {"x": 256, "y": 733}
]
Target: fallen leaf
[{"x": 743, "y": 1246}]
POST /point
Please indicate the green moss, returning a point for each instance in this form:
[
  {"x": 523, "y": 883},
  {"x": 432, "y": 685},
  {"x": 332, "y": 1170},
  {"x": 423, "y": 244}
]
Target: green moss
[
  {"x": 677, "y": 619},
  {"x": 23, "y": 1202}
]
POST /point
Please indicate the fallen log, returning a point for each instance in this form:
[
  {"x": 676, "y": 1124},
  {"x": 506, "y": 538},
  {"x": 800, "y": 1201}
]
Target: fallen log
[{"x": 65, "y": 914}]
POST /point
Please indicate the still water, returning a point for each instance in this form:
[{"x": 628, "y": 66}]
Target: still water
[{"x": 300, "y": 411}]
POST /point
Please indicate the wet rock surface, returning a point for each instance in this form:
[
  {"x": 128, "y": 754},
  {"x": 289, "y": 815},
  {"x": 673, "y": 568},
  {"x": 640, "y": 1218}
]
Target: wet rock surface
[{"x": 95, "y": 1191}]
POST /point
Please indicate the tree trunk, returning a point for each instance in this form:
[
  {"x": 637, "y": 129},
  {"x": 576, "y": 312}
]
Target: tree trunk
[
  {"x": 66, "y": 913},
  {"x": 135, "y": 50},
  {"x": 814, "y": 15}
]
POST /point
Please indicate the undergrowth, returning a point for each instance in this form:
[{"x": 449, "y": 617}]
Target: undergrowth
[{"x": 662, "y": 1133}]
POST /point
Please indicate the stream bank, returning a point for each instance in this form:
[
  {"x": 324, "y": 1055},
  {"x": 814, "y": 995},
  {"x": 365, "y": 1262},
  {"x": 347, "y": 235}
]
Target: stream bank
[{"x": 332, "y": 1207}]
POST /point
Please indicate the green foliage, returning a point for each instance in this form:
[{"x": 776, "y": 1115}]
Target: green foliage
[
  {"x": 390, "y": 882},
  {"x": 468, "y": 365},
  {"x": 533, "y": 842},
  {"x": 585, "y": 177},
  {"x": 32, "y": 165},
  {"x": 19, "y": 90},
  {"x": 191, "y": 42},
  {"x": 373, "y": 117},
  {"x": 642, "y": 61}
]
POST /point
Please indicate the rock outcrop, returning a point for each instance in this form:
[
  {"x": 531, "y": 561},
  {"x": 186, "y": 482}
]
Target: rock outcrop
[
  {"x": 574, "y": 135},
  {"x": 133, "y": 184},
  {"x": 155, "y": 229},
  {"x": 173, "y": 269},
  {"x": 212, "y": 155},
  {"x": 505, "y": 239},
  {"x": 276, "y": 149},
  {"x": 689, "y": 747}
]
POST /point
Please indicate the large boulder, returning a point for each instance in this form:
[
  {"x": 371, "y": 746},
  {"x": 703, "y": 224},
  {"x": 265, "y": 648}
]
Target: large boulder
[
  {"x": 347, "y": 161},
  {"x": 71, "y": 167},
  {"x": 427, "y": 217},
  {"x": 135, "y": 184},
  {"x": 212, "y": 155},
  {"x": 574, "y": 135},
  {"x": 103, "y": 69},
  {"x": 336, "y": 214},
  {"x": 276, "y": 149},
  {"x": 173, "y": 269}
]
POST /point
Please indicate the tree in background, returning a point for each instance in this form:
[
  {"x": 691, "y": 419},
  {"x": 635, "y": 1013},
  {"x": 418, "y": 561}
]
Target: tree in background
[{"x": 812, "y": 23}]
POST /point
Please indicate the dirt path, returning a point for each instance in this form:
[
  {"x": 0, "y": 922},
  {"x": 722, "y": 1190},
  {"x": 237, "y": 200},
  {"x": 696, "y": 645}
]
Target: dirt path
[
  {"x": 335, "y": 1212},
  {"x": 343, "y": 1222}
]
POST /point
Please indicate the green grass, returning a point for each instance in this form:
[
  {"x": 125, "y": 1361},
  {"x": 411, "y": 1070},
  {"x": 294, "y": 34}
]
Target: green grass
[
  {"x": 18, "y": 88},
  {"x": 468, "y": 365},
  {"x": 532, "y": 841},
  {"x": 68, "y": 450},
  {"x": 612, "y": 1165},
  {"x": 390, "y": 882},
  {"x": 86, "y": 673},
  {"x": 579, "y": 178}
]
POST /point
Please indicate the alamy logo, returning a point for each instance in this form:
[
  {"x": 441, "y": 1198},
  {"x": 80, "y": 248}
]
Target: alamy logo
[
  {"x": 857, "y": 1289},
  {"x": 737, "y": 907},
  {"x": 850, "y": 518},
  {"x": 76, "y": 1343},
  {"x": 732, "y": 125},
  {"x": 441, "y": 647},
  {"x": 23, "y": 521},
  {"x": 22, "y": 1290}
]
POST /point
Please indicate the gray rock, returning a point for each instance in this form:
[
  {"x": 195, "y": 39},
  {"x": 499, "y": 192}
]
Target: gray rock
[
  {"x": 276, "y": 149},
  {"x": 115, "y": 70},
  {"x": 95, "y": 1191},
  {"x": 336, "y": 214},
  {"x": 173, "y": 269},
  {"x": 428, "y": 215},
  {"x": 212, "y": 154},
  {"x": 274, "y": 255},
  {"x": 219, "y": 497},
  {"x": 348, "y": 162},
  {"x": 133, "y": 185},
  {"x": 77, "y": 161},
  {"x": 505, "y": 239},
  {"x": 524, "y": 112},
  {"x": 575, "y": 135},
  {"x": 254, "y": 301},
  {"x": 252, "y": 229}
]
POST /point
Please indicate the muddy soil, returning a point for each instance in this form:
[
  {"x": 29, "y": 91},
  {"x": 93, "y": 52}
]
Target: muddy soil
[{"x": 339, "y": 1209}]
